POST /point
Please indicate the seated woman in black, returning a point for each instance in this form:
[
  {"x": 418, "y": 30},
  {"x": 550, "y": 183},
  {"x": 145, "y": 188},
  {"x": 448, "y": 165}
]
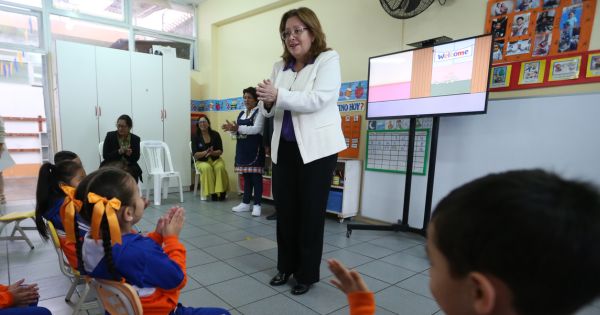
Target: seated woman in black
[{"x": 123, "y": 145}]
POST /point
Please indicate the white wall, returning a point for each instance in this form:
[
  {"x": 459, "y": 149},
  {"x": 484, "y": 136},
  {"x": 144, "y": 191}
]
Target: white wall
[{"x": 556, "y": 133}]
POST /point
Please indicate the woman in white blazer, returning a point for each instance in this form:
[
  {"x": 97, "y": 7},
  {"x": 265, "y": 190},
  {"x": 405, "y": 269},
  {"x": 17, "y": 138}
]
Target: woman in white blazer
[{"x": 302, "y": 96}]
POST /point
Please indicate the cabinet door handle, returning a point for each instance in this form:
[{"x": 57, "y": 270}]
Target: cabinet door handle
[
  {"x": 96, "y": 110},
  {"x": 99, "y": 111},
  {"x": 165, "y": 113}
]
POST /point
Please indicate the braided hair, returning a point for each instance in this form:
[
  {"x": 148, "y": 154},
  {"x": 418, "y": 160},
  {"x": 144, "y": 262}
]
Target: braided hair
[{"x": 108, "y": 182}]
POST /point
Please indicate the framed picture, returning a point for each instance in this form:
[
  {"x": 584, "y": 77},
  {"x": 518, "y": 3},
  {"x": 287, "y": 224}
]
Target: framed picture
[
  {"x": 520, "y": 25},
  {"x": 593, "y": 66},
  {"x": 532, "y": 72},
  {"x": 502, "y": 7},
  {"x": 518, "y": 47},
  {"x": 524, "y": 5},
  {"x": 500, "y": 76},
  {"x": 499, "y": 27},
  {"x": 545, "y": 21},
  {"x": 541, "y": 44},
  {"x": 564, "y": 69},
  {"x": 498, "y": 46},
  {"x": 570, "y": 28}
]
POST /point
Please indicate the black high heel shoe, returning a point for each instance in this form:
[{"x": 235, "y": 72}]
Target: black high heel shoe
[
  {"x": 300, "y": 289},
  {"x": 280, "y": 279}
]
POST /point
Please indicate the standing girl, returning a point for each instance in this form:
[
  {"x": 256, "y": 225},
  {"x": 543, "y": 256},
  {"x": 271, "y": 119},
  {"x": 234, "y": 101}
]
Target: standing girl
[{"x": 249, "y": 151}]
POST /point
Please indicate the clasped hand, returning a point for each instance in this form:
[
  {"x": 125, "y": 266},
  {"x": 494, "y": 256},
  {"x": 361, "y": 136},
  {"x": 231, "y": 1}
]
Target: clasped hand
[
  {"x": 171, "y": 223},
  {"x": 267, "y": 92},
  {"x": 24, "y": 294},
  {"x": 127, "y": 151}
]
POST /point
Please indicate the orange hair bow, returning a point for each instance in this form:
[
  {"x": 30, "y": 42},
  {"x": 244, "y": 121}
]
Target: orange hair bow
[
  {"x": 101, "y": 206},
  {"x": 67, "y": 211}
]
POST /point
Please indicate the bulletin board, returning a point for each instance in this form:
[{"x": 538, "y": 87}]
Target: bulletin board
[
  {"x": 528, "y": 29},
  {"x": 387, "y": 150},
  {"x": 351, "y": 128}
]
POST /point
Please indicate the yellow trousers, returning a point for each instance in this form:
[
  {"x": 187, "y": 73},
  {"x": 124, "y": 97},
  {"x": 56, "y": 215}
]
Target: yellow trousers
[{"x": 214, "y": 178}]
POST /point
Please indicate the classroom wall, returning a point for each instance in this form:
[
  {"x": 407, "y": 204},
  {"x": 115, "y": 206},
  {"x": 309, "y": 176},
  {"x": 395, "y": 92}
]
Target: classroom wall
[{"x": 239, "y": 41}]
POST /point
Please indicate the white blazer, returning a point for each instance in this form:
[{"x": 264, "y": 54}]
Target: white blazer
[{"x": 311, "y": 95}]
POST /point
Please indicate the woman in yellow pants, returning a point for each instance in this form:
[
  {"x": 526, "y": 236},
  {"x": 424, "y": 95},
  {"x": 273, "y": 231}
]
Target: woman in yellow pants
[{"x": 208, "y": 147}]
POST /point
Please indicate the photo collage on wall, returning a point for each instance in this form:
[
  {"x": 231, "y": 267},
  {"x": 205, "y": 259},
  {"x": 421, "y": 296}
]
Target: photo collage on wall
[{"x": 525, "y": 29}]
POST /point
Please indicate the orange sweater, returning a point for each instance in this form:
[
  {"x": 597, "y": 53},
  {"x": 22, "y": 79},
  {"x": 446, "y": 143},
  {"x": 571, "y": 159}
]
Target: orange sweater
[
  {"x": 166, "y": 300},
  {"x": 6, "y": 298},
  {"x": 361, "y": 303}
]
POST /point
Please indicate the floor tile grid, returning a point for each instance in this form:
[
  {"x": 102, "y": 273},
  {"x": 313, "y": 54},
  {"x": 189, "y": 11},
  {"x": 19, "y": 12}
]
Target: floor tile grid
[{"x": 390, "y": 250}]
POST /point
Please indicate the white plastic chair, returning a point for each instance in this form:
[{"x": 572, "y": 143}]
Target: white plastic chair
[
  {"x": 153, "y": 151},
  {"x": 197, "y": 170}
]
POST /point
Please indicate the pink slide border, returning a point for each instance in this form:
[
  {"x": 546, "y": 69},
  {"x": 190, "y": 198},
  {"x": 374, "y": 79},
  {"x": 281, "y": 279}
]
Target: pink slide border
[
  {"x": 459, "y": 103},
  {"x": 389, "y": 92}
]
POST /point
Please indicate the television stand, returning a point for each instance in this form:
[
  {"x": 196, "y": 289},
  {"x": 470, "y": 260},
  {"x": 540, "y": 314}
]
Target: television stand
[{"x": 402, "y": 225}]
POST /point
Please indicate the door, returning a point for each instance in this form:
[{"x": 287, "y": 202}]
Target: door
[
  {"x": 113, "y": 77},
  {"x": 76, "y": 74},
  {"x": 176, "y": 95},
  {"x": 147, "y": 96}
]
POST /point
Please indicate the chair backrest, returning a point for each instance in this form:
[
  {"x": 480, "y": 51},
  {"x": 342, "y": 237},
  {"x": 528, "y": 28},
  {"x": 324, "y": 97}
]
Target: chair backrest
[
  {"x": 118, "y": 298},
  {"x": 100, "y": 149},
  {"x": 65, "y": 268},
  {"x": 194, "y": 158},
  {"x": 153, "y": 151}
]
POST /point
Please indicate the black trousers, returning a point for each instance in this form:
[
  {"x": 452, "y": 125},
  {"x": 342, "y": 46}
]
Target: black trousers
[
  {"x": 253, "y": 181},
  {"x": 300, "y": 192}
]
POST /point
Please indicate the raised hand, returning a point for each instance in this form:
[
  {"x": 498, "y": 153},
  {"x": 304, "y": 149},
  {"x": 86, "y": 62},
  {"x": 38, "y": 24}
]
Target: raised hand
[
  {"x": 348, "y": 281},
  {"x": 175, "y": 225},
  {"x": 267, "y": 92}
]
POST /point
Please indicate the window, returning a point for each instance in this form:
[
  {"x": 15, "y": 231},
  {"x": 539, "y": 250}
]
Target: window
[
  {"x": 164, "y": 17},
  {"x": 31, "y": 3},
  {"x": 110, "y": 9},
  {"x": 65, "y": 28},
  {"x": 149, "y": 44},
  {"x": 19, "y": 29}
]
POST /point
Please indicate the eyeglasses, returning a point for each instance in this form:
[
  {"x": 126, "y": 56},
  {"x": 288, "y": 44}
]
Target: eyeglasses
[
  {"x": 296, "y": 32},
  {"x": 122, "y": 126}
]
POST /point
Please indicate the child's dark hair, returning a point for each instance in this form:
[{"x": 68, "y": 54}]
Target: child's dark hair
[
  {"x": 64, "y": 156},
  {"x": 48, "y": 189},
  {"x": 120, "y": 164},
  {"x": 535, "y": 231},
  {"x": 108, "y": 182}
]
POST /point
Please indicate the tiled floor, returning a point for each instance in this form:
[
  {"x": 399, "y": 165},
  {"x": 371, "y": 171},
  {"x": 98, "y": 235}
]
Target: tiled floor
[{"x": 232, "y": 256}]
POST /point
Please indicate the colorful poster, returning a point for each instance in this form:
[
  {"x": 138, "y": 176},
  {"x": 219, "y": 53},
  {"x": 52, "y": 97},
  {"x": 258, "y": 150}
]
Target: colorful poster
[
  {"x": 500, "y": 76},
  {"x": 525, "y": 29},
  {"x": 593, "y": 66},
  {"x": 564, "y": 69},
  {"x": 532, "y": 72}
]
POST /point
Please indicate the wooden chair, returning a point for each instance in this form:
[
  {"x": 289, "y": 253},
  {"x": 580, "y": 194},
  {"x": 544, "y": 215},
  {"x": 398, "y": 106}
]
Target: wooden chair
[
  {"x": 118, "y": 298},
  {"x": 73, "y": 275},
  {"x": 17, "y": 218}
]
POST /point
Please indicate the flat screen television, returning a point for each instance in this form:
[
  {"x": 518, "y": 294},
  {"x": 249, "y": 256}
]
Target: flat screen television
[{"x": 446, "y": 79}]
